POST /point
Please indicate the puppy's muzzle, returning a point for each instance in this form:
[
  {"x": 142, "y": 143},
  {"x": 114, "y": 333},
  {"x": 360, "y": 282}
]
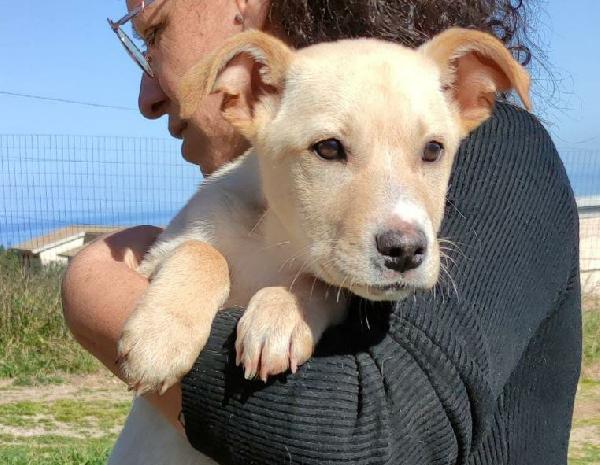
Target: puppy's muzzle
[{"x": 403, "y": 248}]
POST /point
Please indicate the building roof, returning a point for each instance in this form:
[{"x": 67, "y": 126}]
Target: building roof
[
  {"x": 72, "y": 252},
  {"x": 59, "y": 236},
  {"x": 588, "y": 201}
]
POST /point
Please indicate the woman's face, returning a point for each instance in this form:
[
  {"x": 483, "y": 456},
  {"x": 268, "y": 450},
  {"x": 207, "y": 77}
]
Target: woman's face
[{"x": 178, "y": 33}]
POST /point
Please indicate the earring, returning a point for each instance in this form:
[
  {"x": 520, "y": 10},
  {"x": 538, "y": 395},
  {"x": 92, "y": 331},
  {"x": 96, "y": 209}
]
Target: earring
[{"x": 238, "y": 19}]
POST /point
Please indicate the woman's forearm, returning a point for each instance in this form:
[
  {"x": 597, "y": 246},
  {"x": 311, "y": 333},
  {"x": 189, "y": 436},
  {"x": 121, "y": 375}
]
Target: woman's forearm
[{"x": 100, "y": 290}]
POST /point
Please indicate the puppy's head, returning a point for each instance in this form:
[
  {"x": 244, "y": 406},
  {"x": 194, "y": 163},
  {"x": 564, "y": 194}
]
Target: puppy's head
[{"x": 356, "y": 140}]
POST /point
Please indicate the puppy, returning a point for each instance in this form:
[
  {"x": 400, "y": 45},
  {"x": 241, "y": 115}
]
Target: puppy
[{"x": 342, "y": 192}]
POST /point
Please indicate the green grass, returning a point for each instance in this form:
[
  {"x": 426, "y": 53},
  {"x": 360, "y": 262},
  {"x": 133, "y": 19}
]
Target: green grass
[
  {"x": 60, "y": 451},
  {"x": 35, "y": 344},
  {"x": 65, "y": 432},
  {"x": 591, "y": 331},
  {"x": 36, "y": 348},
  {"x": 588, "y": 455},
  {"x": 97, "y": 414}
]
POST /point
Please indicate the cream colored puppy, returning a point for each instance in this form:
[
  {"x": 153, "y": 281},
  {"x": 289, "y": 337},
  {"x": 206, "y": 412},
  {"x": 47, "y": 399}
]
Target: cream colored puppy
[
  {"x": 344, "y": 187},
  {"x": 343, "y": 190}
]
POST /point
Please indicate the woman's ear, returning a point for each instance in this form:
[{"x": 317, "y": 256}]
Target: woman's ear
[
  {"x": 249, "y": 69},
  {"x": 253, "y": 12},
  {"x": 474, "y": 67}
]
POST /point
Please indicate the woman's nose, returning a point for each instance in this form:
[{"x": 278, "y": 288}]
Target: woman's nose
[{"x": 152, "y": 100}]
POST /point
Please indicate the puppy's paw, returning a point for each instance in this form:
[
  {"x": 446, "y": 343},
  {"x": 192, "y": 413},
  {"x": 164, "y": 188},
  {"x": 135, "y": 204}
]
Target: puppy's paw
[
  {"x": 272, "y": 335},
  {"x": 158, "y": 347}
]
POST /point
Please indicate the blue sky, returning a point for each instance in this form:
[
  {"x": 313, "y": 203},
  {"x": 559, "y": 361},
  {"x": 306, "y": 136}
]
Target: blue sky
[{"x": 64, "y": 49}]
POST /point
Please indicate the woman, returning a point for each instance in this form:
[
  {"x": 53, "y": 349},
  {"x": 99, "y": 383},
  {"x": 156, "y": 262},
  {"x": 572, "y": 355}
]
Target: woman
[{"x": 483, "y": 372}]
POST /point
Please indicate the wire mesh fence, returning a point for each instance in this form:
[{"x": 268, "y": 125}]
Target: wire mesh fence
[
  {"x": 583, "y": 167},
  {"x": 62, "y": 190},
  {"x": 52, "y": 186}
]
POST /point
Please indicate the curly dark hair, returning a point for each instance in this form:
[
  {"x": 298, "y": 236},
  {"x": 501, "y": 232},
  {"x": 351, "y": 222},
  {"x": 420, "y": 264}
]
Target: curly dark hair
[{"x": 408, "y": 22}]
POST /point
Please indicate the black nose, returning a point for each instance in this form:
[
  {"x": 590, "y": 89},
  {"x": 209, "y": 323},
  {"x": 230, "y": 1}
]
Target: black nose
[{"x": 402, "y": 249}]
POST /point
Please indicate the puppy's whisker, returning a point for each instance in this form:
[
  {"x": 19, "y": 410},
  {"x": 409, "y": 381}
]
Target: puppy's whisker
[
  {"x": 456, "y": 208},
  {"x": 340, "y": 288},
  {"x": 260, "y": 220},
  {"x": 452, "y": 246},
  {"x": 302, "y": 252},
  {"x": 452, "y": 281},
  {"x": 293, "y": 258},
  {"x": 296, "y": 276},
  {"x": 300, "y": 272},
  {"x": 445, "y": 240},
  {"x": 312, "y": 287},
  {"x": 277, "y": 244},
  {"x": 448, "y": 258},
  {"x": 454, "y": 286}
]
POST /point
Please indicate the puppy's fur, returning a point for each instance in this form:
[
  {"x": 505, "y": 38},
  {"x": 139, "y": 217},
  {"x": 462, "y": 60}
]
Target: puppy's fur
[{"x": 284, "y": 231}]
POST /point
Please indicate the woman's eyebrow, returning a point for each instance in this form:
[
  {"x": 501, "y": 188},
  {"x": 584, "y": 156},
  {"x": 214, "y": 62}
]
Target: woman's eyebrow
[{"x": 143, "y": 21}]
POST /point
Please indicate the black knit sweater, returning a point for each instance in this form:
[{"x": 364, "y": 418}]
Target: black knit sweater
[{"x": 483, "y": 371}]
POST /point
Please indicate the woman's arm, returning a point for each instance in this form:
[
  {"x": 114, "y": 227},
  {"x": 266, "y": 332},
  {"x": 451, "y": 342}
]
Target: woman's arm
[
  {"x": 100, "y": 290},
  {"x": 484, "y": 368}
]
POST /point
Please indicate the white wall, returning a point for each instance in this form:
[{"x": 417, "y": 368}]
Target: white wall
[{"x": 51, "y": 255}]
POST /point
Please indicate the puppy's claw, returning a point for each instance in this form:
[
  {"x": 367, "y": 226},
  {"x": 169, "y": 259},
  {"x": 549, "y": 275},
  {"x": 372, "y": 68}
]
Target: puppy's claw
[
  {"x": 152, "y": 367},
  {"x": 272, "y": 335},
  {"x": 293, "y": 365},
  {"x": 163, "y": 388},
  {"x": 249, "y": 373},
  {"x": 263, "y": 374},
  {"x": 239, "y": 354}
]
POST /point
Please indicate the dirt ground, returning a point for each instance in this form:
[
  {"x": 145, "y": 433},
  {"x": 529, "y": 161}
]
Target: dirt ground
[
  {"x": 72, "y": 423},
  {"x": 101, "y": 386},
  {"x": 93, "y": 407}
]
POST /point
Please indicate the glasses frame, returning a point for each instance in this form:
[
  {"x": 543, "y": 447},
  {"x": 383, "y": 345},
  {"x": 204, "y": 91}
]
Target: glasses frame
[{"x": 132, "y": 50}]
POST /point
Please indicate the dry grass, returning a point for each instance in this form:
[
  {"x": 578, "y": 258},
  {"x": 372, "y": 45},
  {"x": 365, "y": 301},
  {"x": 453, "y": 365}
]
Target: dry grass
[
  {"x": 591, "y": 337},
  {"x": 36, "y": 347},
  {"x": 35, "y": 344},
  {"x": 69, "y": 425}
]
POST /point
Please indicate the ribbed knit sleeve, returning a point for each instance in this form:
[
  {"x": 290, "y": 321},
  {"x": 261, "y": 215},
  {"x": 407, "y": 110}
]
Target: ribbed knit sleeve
[{"x": 425, "y": 381}]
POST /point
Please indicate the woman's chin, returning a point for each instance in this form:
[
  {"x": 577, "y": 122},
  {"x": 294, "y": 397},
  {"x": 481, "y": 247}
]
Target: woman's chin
[{"x": 187, "y": 153}]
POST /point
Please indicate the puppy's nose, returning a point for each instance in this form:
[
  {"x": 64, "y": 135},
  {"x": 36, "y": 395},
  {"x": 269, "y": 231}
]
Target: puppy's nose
[{"x": 402, "y": 249}]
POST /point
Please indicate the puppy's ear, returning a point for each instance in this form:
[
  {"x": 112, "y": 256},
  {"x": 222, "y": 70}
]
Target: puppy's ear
[
  {"x": 249, "y": 69},
  {"x": 475, "y": 66}
]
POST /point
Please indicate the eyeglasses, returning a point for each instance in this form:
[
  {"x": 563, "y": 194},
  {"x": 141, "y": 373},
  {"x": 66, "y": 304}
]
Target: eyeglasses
[{"x": 132, "y": 50}]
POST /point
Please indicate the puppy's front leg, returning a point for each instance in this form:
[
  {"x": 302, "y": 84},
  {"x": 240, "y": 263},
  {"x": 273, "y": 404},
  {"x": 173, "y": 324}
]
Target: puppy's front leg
[
  {"x": 170, "y": 325},
  {"x": 281, "y": 327}
]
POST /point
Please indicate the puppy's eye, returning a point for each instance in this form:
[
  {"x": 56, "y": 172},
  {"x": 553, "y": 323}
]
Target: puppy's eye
[
  {"x": 330, "y": 149},
  {"x": 433, "y": 151}
]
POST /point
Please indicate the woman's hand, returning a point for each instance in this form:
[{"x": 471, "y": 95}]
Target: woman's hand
[{"x": 100, "y": 290}]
